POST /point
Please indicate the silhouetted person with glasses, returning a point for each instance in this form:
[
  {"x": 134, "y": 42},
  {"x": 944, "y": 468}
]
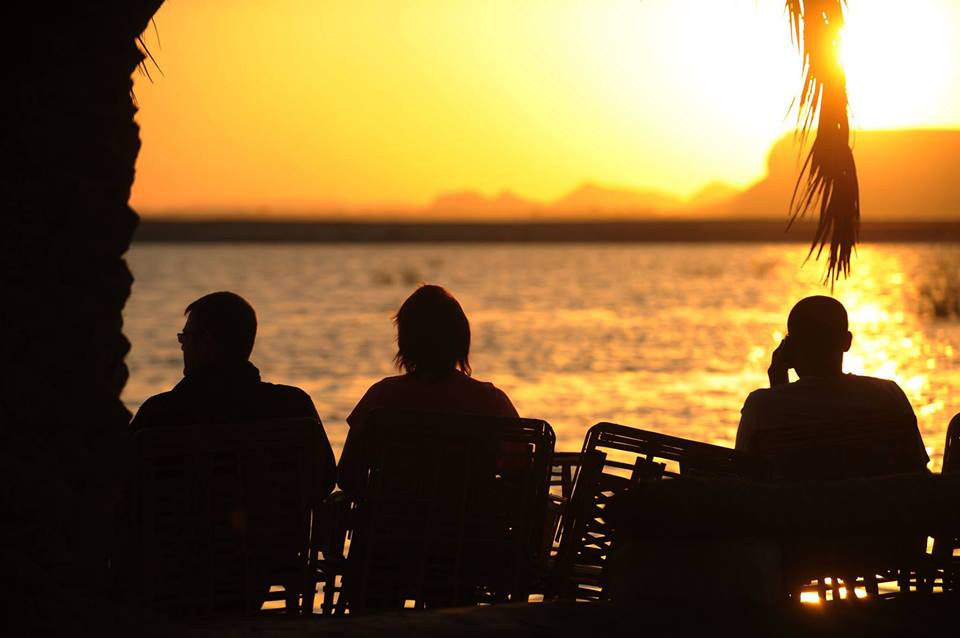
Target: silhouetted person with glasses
[
  {"x": 221, "y": 386},
  {"x": 817, "y": 338},
  {"x": 433, "y": 348}
]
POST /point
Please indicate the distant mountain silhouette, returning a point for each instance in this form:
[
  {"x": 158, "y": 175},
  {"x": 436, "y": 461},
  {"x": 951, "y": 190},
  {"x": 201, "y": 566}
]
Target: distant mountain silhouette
[
  {"x": 593, "y": 198},
  {"x": 586, "y": 200},
  {"x": 909, "y": 175},
  {"x": 712, "y": 194},
  {"x": 470, "y": 202},
  {"x": 904, "y": 175}
]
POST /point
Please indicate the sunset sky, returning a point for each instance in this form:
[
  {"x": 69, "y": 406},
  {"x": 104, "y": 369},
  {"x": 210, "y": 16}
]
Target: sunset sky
[{"x": 297, "y": 105}]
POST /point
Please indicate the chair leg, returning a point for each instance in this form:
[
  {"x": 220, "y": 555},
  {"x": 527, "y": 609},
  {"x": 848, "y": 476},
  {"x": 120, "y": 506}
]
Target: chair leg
[
  {"x": 329, "y": 592},
  {"x": 309, "y": 595},
  {"x": 835, "y": 586},
  {"x": 822, "y": 589},
  {"x": 903, "y": 581}
]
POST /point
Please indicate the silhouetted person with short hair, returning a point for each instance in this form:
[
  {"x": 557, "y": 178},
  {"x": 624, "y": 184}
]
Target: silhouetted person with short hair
[
  {"x": 221, "y": 386},
  {"x": 817, "y": 339},
  {"x": 433, "y": 348}
]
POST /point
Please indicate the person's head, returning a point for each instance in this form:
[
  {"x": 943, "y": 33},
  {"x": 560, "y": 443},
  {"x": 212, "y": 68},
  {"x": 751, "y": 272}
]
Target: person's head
[
  {"x": 220, "y": 330},
  {"x": 433, "y": 334},
  {"x": 818, "y": 333}
]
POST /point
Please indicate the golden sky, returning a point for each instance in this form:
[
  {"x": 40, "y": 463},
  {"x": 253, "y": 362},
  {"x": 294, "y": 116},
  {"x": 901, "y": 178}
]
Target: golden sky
[{"x": 305, "y": 104}]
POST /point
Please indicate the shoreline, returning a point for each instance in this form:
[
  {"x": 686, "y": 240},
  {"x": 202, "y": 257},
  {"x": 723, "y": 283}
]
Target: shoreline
[{"x": 648, "y": 231}]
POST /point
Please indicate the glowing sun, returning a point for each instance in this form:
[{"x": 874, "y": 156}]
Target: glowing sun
[{"x": 897, "y": 58}]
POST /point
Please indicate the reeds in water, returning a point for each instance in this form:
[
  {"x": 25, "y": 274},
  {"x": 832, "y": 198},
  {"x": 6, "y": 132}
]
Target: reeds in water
[{"x": 939, "y": 291}]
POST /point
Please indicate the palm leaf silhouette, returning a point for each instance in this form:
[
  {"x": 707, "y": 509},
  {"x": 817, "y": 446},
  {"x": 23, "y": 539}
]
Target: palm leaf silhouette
[{"x": 828, "y": 179}]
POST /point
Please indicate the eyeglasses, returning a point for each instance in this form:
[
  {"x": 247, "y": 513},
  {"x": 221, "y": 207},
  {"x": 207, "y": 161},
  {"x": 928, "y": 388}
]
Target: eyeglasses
[{"x": 183, "y": 337}]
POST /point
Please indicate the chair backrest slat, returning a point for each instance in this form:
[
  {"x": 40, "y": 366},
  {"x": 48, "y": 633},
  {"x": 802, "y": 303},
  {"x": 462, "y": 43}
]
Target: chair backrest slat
[
  {"x": 615, "y": 457},
  {"x": 223, "y": 512},
  {"x": 452, "y": 512},
  {"x": 951, "y": 447},
  {"x": 679, "y": 455},
  {"x": 563, "y": 470},
  {"x": 946, "y": 544},
  {"x": 873, "y": 445}
]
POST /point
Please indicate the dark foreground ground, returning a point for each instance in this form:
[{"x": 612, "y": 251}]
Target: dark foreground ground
[
  {"x": 79, "y": 617},
  {"x": 940, "y": 616}
]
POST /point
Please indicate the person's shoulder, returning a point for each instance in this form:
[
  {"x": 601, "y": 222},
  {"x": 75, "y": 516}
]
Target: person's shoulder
[
  {"x": 388, "y": 385},
  {"x": 876, "y": 384},
  {"x": 392, "y": 382},
  {"x": 159, "y": 400},
  {"x": 483, "y": 386},
  {"x": 495, "y": 391},
  {"x": 496, "y": 398},
  {"x": 864, "y": 379},
  {"x": 757, "y": 399},
  {"x": 375, "y": 396},
  {"x": 761, "y": 393},
  {"x": 772, "y": 403},
  {"x": 281, "y": 390},
  {"x": 884, "y": 387},
  {"x": 154, "y": 408},
  {"x": 288, "y": 395}
]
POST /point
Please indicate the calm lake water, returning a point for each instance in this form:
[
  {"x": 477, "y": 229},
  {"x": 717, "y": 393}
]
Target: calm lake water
[{"x": 663, "y": 337}]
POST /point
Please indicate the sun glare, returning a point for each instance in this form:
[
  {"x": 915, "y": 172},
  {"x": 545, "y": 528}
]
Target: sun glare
[{"x": 898, "y": 57}]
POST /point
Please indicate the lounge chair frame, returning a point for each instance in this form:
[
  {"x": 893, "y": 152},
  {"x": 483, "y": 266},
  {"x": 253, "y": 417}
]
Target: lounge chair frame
[
  {"x": 452, "y": 512},
  {"x": 222, "y": 512}
]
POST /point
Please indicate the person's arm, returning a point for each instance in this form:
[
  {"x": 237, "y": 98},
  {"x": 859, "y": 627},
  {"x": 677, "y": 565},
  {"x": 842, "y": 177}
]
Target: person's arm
[
  {"x": 778, "y": 372},
  {"x": 922, "y": 458},
  {"x": 328, "y": 464},
  {"x": 325, "y": 460},
  {"x": 350, "y": 470},
  {"x": 748, "y": 424}
]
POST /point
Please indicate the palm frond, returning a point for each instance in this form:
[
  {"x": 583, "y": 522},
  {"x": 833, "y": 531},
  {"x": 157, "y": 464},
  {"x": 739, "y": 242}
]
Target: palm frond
[
  {"x": 145, "y": 54},
  {"x": 828, "y": 179}
]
